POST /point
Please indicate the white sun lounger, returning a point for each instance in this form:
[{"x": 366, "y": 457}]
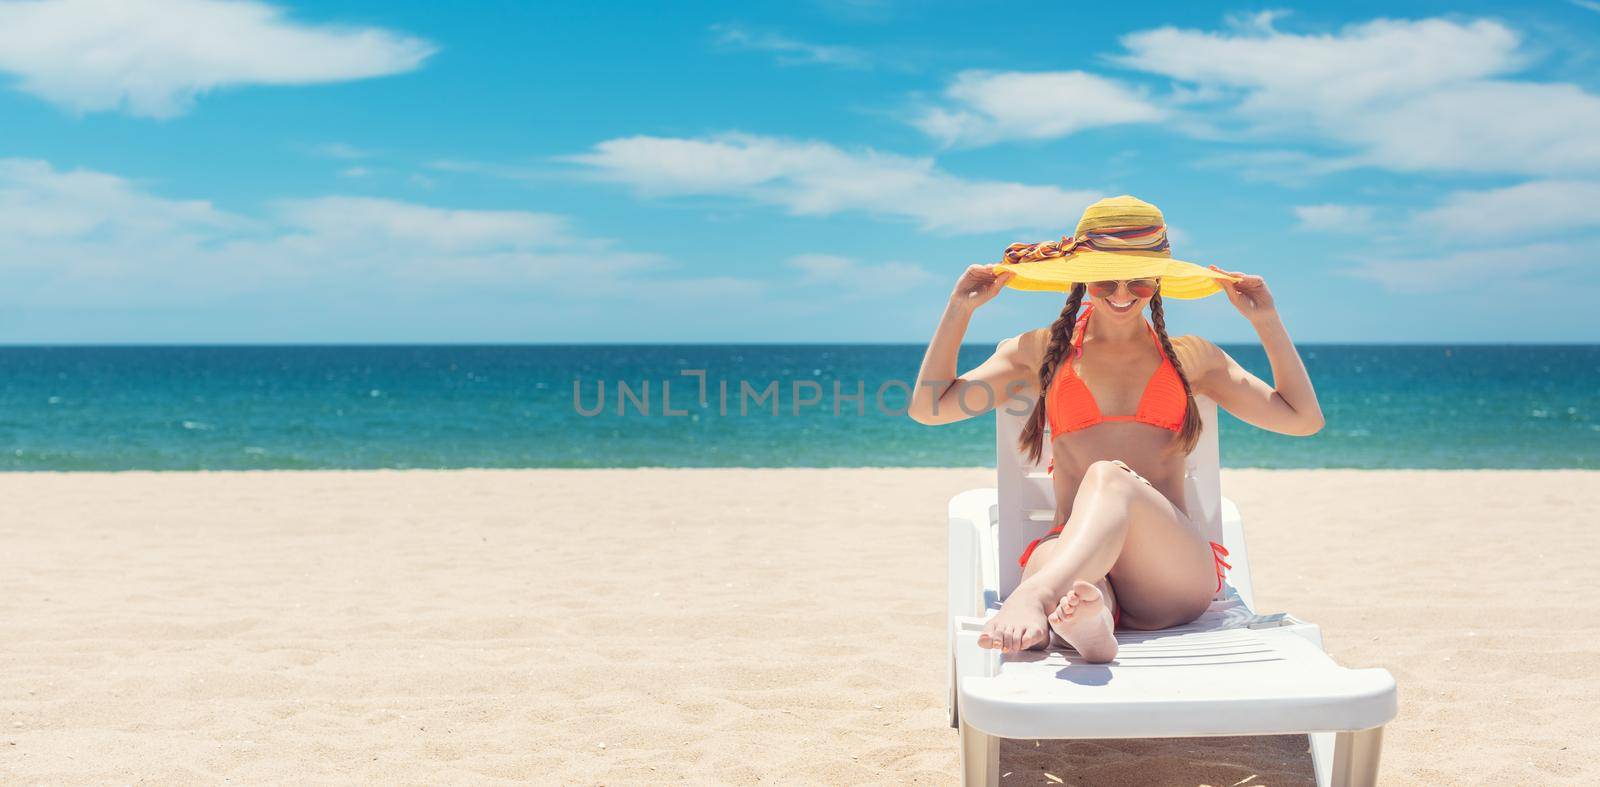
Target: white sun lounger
[{"x": 1231, "y": 672}]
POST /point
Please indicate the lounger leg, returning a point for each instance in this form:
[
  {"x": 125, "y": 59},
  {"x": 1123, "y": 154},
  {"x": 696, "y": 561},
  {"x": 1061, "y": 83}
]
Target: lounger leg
[
  {"x": 1355, "y": 758},
  {"x": 1322, "y": 756},
  {"x": 980, "y": 758}
]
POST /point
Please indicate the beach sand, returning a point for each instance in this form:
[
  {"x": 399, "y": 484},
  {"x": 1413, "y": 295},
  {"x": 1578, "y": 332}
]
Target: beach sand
[{"x": 730, "y": 626}]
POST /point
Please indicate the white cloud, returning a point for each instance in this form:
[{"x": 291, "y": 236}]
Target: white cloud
[
  {"x": 78, "y": 236},
  {"x": 853, "y": 277},
  {"x": 1523, "y": 210},
  {"x": 153, "y": 57},
  {"x": 1382, "y": 58},
  {"x": 90, "y": 235},
  {"x": 986, "y": 107},
  {"x": 1284, "y": 167},
  {"x": 489, "y": 169},
  {"x": 340, "y": 150},
  {"x": 424, "y": 226},
  {"x": 822, "y": 268},
  {"x": 790, "y": 51},
  {"x": 339, "y": 267},
  {"x": 1538, "y": 129},
  {"x": 1531, "y": 225},
  {"x": 1334, "y": 218},
  {"x": 1501, "y": 268},
  {"x": 1426, "y": 95},
  {"x": 817, "y": 179},
  {"x": 39, "y": 203}
]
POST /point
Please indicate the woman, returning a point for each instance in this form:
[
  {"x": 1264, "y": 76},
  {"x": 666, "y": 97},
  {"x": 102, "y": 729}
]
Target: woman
[{"x": 1118, "y": 397}]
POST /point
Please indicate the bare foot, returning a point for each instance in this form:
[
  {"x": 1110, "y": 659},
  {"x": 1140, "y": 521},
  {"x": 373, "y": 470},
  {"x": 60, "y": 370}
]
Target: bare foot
[
  {"x": 1019, "y": 625},
  {"x": 1084, "y": 621}
]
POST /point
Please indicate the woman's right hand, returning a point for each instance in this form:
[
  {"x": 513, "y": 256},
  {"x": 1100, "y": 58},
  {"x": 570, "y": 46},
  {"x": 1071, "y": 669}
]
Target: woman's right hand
[{"x": 979, "y": 284}]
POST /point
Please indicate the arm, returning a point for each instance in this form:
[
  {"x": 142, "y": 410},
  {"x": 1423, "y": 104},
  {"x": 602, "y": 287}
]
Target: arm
[
  {"x": 1289, "y": 406},
  {"x": 942, "y": 397}
]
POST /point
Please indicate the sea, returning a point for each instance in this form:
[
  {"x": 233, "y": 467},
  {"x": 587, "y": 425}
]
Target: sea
[{"x": 81, "y": 408}]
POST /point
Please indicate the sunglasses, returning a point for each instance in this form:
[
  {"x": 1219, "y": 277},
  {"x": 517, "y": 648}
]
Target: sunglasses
[{"x": 1141, "y": 288}]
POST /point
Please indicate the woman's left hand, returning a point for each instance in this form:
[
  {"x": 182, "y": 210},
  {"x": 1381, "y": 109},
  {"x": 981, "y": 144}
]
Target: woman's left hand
[{"x": 1249, "y": 295}]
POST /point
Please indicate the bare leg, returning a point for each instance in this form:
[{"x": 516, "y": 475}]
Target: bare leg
[
  {"x": 1121, "y": 526},
  {"x": 1166, "y": 573}
]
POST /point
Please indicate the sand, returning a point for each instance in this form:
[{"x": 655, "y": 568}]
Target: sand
[{"x": 729, "y": 626}]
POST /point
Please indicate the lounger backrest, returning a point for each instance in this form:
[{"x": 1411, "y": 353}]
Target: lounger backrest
[{"x": 1027, "y": 499}]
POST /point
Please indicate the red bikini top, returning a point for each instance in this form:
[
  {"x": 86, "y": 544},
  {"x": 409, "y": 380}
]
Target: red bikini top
[{"x": 1070, "y": 406}]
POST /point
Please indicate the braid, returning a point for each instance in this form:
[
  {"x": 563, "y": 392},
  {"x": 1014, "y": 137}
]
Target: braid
[
  {"x": 1031, "y": 442},
  {"x": 1189, "y": 435}
]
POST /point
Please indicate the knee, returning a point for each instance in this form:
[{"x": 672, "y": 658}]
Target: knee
[{"x": 1106, "y": 474}]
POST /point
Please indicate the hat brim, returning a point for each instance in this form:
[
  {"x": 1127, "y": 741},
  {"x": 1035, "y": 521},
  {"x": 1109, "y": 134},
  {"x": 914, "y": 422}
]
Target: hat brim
[{"x": 1179, "y": 279}]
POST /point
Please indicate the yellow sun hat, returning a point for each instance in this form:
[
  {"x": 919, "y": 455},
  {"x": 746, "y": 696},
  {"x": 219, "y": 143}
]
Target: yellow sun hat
[{"x": 1117, "y": 238}]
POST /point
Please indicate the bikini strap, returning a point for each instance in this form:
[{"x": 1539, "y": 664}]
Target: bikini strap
[
  {"x": 1079, "y": 328},
  {"x": 1155, "y": 337}
]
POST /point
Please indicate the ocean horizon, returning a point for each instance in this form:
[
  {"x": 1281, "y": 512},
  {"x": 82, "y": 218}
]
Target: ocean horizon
[{"x": 368, "y": 406}]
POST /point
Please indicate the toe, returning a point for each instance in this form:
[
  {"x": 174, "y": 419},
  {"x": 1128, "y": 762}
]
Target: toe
[
  {"x": 990, "y": 638},
  {"x": 1035, "y": 634}
]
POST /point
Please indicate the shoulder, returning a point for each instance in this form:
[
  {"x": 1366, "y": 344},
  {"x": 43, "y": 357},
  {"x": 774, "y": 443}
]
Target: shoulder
[
  {"x": 1198, "y": 355},
  {"x": 1026, "y": 348}
]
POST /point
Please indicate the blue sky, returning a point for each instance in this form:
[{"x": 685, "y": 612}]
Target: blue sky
[{"x": 203, "y": 171}]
